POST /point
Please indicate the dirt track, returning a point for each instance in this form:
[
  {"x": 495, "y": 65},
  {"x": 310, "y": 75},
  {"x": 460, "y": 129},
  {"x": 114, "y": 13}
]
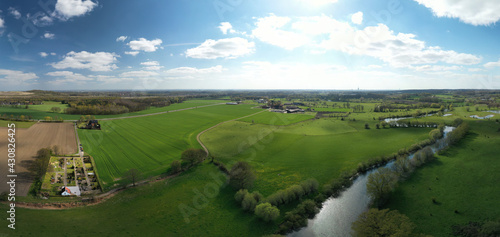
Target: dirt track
[{"x": 28, "y": 142}]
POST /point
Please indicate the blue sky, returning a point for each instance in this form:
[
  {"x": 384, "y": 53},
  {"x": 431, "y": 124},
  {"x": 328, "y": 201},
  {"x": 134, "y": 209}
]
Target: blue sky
[{"x": 243, "y": 44}]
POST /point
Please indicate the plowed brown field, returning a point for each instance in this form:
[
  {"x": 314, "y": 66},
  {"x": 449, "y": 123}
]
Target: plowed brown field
[{"x": 28, "y": 142}]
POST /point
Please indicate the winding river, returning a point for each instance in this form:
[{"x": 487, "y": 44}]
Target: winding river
[{"x": 337, "y": 214}]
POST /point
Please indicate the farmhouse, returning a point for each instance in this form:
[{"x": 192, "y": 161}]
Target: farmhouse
[
  {"x": 71, "y": 190},
  {"x": 93, "y": 124},
  {"x": 293, "y": 109}
]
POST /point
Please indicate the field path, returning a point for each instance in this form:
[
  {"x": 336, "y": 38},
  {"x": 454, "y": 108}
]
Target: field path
[{"x": 208, "y": 129}]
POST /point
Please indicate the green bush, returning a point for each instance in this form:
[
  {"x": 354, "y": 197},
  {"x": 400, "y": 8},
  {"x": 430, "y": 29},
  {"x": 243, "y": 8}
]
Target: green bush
[{"x": 267, "y": 212}]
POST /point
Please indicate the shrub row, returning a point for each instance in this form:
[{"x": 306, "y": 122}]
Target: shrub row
[
  {"x": 295, "y": 192},
  {"x": 297, "y": 218},
  {"x": 248, "y": 201}
]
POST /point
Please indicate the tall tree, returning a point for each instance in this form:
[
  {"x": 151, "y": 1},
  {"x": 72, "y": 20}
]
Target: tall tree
[
  {"x": 241, "y": 175},
  {"x": 380, "y": 184},
  {"x": 132, "y": 175},
  {"x": 193, "y": 156}
]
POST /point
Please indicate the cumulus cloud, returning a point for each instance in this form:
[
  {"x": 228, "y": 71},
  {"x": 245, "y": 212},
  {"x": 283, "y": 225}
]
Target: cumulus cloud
[
  {"x": 226, "y": 27},
  {"x": 67, "y": 76},
  {"x": 192, "y": 70},
  {"x": 145, "y": 45},
  {"x": 99, "y": 61},
  {"x": 16, "y": 77},
  {"x": 139, "y": 74},
  {"x": 492, "y": 64},
  {"x": 2, "y": 23},
  {"x": 40, "y": 19},
  {"x": 43, "y": 54},
  {"x": 67, "y": 9},
  {"x": 109, "y": 79},
  {"x": 152, "y": 65},
  {"x": 357, "y": 18},
  {"x": 224, "y": 48},
  {"x": 133, "y": 53},
  {"x": 326, "y": 33},
  {"x": 48, "y": 35},
  {"x": 121, "y": 38},
  {"x": 14, "y": 12},
  {"x": 192, "y": 73},
  {"x": 484, "y": 12},
  {"x": 268, "y": 30}
]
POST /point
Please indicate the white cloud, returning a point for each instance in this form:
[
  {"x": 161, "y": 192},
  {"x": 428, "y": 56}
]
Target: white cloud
[
  {"x": 326, "y": 33},
  {"x": 53, "y": 54},
  {"x": 267, "y": 30},
  {"x": 40, "y": 19},
  {"x": 436, "y": 68},
  {"x": 476, "y": 70},
  {"x": 133, "y": 53},
  {"x": 121, "y": 38},
  {"x": 483, "y": 12},
  {"x": 110, "y": 79},
  {"x": 192, "y": 70},
  {"x": 492, "y": 64},
  {"x": 16, "y": 77},
  {"x": 14, "y": 12},
  {"x": 192, "y": 73},
  {"x": 99, "y": 61},
  {"x": 226, "y": 27},
  {"x": 66, "y": 9},
  {"x": 67, "y": 76},
  {"x": 139, "y": 74},
  {"x": 357, "y": 18},
  {"x": 43, "y": 54},
  {"x": 150, "y": 63},
  {"x": 224, "y": 48},
  {"x": 2, "y": 23},
  {"x": 145, "y": 45},
  {"x": 48, "y": 35}
]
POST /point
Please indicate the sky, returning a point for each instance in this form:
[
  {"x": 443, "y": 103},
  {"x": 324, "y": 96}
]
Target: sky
[{"x": 249, "y": 44}]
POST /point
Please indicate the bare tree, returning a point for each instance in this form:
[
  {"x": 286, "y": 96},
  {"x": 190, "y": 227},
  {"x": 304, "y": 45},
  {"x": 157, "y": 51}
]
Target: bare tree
[{"x": 132, "y": 175}]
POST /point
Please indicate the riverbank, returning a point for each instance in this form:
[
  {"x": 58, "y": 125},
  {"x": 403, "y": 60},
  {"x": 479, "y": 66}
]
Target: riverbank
[{"x": 463, "y": 181}]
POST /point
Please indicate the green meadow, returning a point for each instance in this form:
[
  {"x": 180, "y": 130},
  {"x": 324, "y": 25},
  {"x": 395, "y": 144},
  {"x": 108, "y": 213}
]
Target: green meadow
[
  {"x": 151, "y": 143},
  {"x": 463, "y": 178},
  {"x": 272, "y": 118},
  {"x": 320, "y": 149}
]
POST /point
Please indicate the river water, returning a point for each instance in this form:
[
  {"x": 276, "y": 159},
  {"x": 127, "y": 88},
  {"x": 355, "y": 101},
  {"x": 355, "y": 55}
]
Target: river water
[{"x": 337, "y": 214}]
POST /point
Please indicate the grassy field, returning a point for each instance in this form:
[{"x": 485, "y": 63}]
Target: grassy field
[
  {"x": 464, "y": 178},
  {"x": 151, "y": 143},
  {"x": 321, "y": 149},
  {"x": 272, "y": 118},
  {"x": 151, "y": 210},
  {"x": 5, "y": 123},
  {"x": 42, "y": 111},
  {"x": 47, "y": 105}
]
